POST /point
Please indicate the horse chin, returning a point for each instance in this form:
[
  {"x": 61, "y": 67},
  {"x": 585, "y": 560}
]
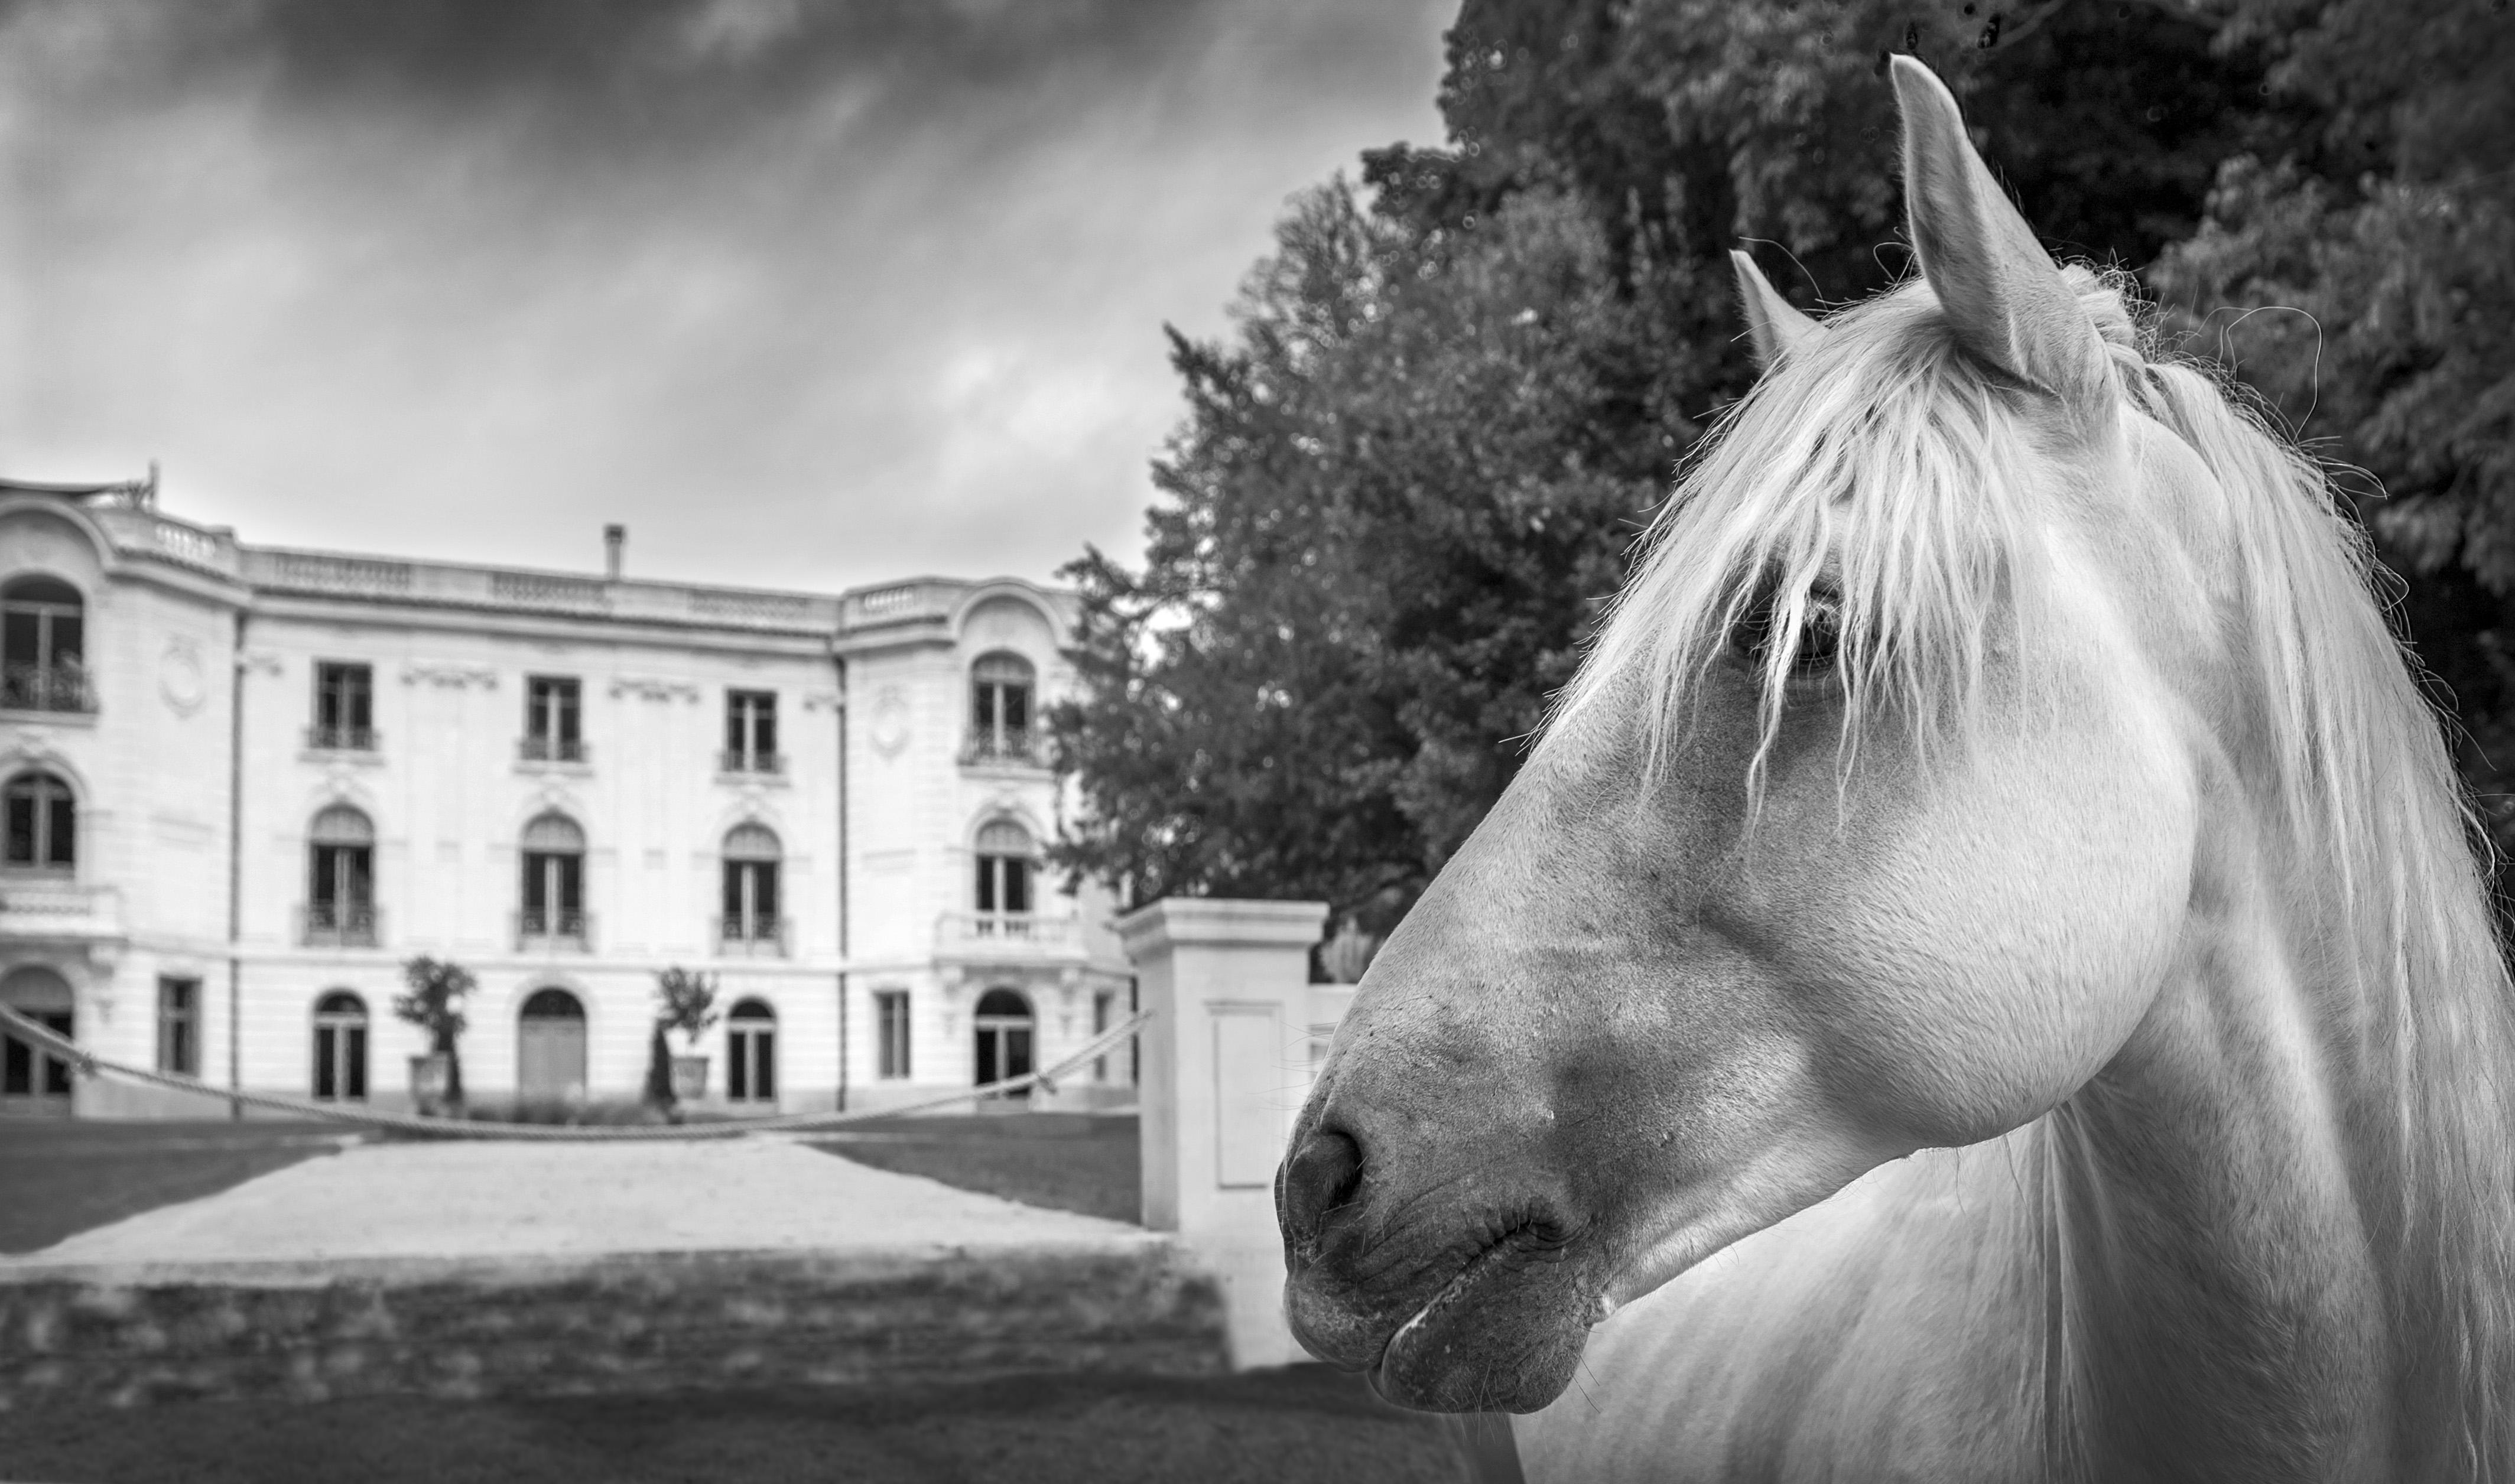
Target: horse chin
[{"x": 1474, "y": 1349}]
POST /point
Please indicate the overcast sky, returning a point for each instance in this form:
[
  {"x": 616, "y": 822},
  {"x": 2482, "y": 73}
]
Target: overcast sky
[{"x": 809, "y": 292}]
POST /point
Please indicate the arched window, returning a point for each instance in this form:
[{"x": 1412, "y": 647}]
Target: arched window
[
  {"x": 550, "y": 1046},
  {"x": 43, "y": 823},
  {"x": 1004, "y": 1024},
  {"x": 341, "y": 1048},
  {"x": 1003, "y": 877},
  {"x": 553, "y": 913},
  {"x": 340, "y": 878},
  {"x": 750, "y": 1053},
  {"x": 43, "y": 646},
  {"x": 999, "y": 710},
  {"x": 751, "y": 857}
]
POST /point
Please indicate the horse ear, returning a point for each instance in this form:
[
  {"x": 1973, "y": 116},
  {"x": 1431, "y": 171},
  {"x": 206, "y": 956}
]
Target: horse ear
[
  {"x": 1773, "y": 323},
  {"x": 2000, "y": 289}
]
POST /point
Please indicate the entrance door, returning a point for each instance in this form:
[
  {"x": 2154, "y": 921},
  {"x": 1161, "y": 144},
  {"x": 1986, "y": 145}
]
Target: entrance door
[
  {"x": 550, "y": 1047},
  {"x": 1004, "y": 1022},
  {"x": 32, "y": 1081}
]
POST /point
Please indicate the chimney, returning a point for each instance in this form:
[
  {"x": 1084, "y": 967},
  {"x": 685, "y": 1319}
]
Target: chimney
[{"x": 615, "y": 542}]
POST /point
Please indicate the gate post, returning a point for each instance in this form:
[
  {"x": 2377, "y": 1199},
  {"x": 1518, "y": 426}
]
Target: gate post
[{"x": 1227, "y": 1063}]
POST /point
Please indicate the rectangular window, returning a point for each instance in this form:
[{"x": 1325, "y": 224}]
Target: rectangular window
[
  {"x": 178, "y": 1046},
  {"x": 750, "y": 732},
  {"x": 750, "y": 900},
  {"x": 42, "y": 823},
  {"x": 24, "y": 808},
  {"x": 344, "y": 878},
  {"x": 891, "y": 1015},
  {"x": 551, "y": 718},
  {"x": 553, "y": 887},
  {"x": 343, "y": 706},
  {"x": 1103, "y": 1002},
  {"x": 1004, "y": 883}
]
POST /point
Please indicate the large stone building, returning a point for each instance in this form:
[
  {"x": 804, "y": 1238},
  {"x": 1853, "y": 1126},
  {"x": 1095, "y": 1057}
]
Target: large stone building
[{"x": 243, "y": 785}]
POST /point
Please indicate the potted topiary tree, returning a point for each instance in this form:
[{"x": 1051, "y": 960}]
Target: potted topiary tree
[
  {"x": 686, "y": 1003},
  {"x": 434, "y": 1004}
]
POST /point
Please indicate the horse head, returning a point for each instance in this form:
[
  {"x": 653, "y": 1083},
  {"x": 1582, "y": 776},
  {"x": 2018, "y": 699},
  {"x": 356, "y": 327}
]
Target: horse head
[{"x": 1869, "y": 827}]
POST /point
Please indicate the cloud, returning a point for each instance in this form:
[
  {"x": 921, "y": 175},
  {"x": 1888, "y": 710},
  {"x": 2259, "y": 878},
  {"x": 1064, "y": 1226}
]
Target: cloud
[{"x": 808, "y": 294}]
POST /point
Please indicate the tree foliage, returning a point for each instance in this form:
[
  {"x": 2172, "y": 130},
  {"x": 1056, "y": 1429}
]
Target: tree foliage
[
  {"x": 1452, "y": 396},
  {"x": 434, "y": 1004},
  {"x": 2363, "y": 278},
  {"x": 1395, "y": 502}
]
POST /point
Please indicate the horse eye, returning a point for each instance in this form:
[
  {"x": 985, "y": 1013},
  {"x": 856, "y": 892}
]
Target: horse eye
[{"x": 1819, "y": 636}]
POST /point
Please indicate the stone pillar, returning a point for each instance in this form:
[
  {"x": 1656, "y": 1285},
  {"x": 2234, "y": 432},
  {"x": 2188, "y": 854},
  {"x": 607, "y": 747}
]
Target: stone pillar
[{"x": 1226, "y": 1063}]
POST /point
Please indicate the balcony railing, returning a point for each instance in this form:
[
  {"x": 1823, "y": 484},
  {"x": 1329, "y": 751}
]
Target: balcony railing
[
  {"x": 553, "y": 749},
  {"x": 341, "y": 739},
  {"x": 731, "y": 761},
  {"x": 337, "y": 924},
  {"x": 35, "y": 907},
  {"x": 1018, "y": 934},
  {"x": 760, "y": 937},
  {"x": 1019, "y": 749},
  {"x": 552, "y": 928},
  {"x": 46, "y": 687}
]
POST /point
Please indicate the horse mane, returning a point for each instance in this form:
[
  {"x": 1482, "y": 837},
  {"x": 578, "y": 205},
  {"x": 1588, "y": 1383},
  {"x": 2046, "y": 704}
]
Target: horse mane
[{"x": 1880, "y": 471}]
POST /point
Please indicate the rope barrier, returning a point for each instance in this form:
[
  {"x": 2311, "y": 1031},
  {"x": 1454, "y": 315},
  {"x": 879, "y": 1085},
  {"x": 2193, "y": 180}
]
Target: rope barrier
[{"x": 89, "y": 1065}]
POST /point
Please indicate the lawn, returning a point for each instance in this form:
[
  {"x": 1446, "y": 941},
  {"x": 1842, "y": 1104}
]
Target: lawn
[
  {"x": 59, "y": 1176},
  {"x": 1303, "y": 1423},
  {"x": 1081, "y": 1162}
]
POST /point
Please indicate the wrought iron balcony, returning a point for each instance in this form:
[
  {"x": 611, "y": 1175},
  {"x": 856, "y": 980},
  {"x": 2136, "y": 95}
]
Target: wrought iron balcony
[
  {"x": 62, "y": 686},
  {"x": 341, "y": 739},
  {"x": 732, "y": 761},
  {"x": 553, "y": 749},
  {"x": 339, "y": 925},
  {"x": 1003, "y": 749},
  {"x": 553, "y": 928},
  {"x": 760, "y": 937}
]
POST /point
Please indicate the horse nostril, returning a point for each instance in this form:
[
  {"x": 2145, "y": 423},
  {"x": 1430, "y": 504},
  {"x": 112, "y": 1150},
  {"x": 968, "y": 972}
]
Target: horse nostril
[{"x": 1320, "y": 1177}]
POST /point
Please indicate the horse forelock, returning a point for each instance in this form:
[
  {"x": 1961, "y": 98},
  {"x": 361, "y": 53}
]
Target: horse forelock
[
  {"x": 1878, "y": 468},
  {"x": 1873, "y": 470}
]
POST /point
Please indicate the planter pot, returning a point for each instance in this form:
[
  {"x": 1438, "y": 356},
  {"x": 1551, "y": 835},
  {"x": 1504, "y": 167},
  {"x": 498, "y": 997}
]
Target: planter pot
[
  {"x": 427, "y": 1078},
  {"x": 689, "y": 1078}
]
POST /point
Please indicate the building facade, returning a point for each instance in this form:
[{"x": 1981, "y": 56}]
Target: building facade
[{"x": 245, "y": 785}]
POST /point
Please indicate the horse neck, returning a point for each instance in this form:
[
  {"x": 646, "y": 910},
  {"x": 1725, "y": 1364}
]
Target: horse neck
[{"x": 2244, "y": 1280}]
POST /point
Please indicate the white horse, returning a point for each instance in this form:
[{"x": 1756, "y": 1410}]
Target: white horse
[{"x": 1984, "y": 976}]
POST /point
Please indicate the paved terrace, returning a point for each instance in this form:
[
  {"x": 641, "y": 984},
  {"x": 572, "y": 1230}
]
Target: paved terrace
[{"x": 487, "y": 1268}]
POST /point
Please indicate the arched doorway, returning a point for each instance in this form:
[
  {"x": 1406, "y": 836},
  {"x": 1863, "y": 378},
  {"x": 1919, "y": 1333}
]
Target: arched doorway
[
  {"x": 34, "y": 1081},
  {"x": 341, "y": 1048},
  {"x": 550, "y": 1046},
  {"x": 1003, "y": 1026},
  {"x": 750, "y": 1053}
]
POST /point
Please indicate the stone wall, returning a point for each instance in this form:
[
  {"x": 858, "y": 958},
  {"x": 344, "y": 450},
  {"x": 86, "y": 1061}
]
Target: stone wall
[{"x": 635, "y": 1324}]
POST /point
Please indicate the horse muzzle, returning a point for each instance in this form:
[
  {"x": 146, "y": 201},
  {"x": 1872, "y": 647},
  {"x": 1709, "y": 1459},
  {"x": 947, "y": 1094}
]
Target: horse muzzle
[{"x": 1481, "y": 1310}]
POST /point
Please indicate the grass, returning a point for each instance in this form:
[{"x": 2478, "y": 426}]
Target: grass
[
  {"x": 58, "y": 1177},
  {"x": 1301, "y": 1423},
  {"x": 1080, "y": 1161}
]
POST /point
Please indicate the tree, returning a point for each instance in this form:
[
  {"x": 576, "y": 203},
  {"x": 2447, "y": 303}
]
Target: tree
[
  {"x": 684, "y": 1002},
  {"x": 434, "y": 1004},
  {"x": 1392, "y": 505},
  {"x": 1408, "y": 474},
  {"x": 2361, "y": 277}
]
